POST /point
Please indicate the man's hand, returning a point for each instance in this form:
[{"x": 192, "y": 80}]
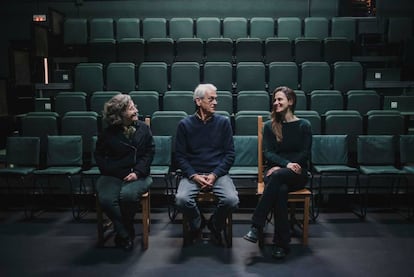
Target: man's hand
[{"x": 206, "y": 182}]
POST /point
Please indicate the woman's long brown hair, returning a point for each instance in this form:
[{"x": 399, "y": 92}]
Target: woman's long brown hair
[{"x": 277, "y": 118}]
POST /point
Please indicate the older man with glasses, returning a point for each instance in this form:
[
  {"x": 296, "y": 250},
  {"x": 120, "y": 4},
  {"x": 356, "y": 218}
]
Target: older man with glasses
[{"x": 204, "y": 153}]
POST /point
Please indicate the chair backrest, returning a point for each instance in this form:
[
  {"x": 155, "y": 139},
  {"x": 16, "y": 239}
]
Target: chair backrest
[
  {"x": 121, "y": 77},
  {"x": 385, "y": 122},
  {"x": 348, "y": 76},
  {"x": 344, "y": 122},
  {"x": 83, "y": 124},
  {"x": 154, "y": 28},
  {"x": 70, "y": 101},
  {"x": 89, "y": 77},
  {"x": 407, "y": 149},
  {"x": 189, "y": 50},
  {"x": 376, "y": 150},
  {"x": 278, "y": 49},
  {"x": 128, "y": 28},
  {"x": 235, "y": 27},
  {"x": 93, "y": 148},
  {"x": 315, "y": 75},
  {"x": 219, "y": 50},
  {"x": 181, "y": 27},
  {"x": 160, "y": 50},
  {"x": 164, "y": 123},
  {"x": 343, "y": 27},
  {"x": 253, "y": 100},
  {"x": 250, "y": 76},
  {"x": 290, "y": 27},
  {"x": 301, "y": 100},
  {"x": 246, "y": 121},
  {"x": 308, "y": 49},
  {"x": 101, "y": 28},
  {"x": 225, "y": 101},
  {"x": 208, "y": 27},
  {"x": 336, "y": 49},
  {"x": 220, "y": 74},
  {"x": 313, "y": 117},
  {"x": 283, "y": 74},
  {"x": 146, "y": 101},
  {"x": 179, "y": 101},
  {"x": 329, "y": 150},
  {"x": 23, "y": 151},
  {"x": 249, "y": 50},
  {"x": 153, "y": 76},
  {"x": 363, "y": 100},
  {"x": 245, "y": 148},
  {"x": 185, "y": 75},
  {"x": 99, "y": 98},
  {"x": 326, "y": 100},
  {"x": 64, "y": 151},
  {"x": 131, "y": 50},
  {"x": 317, "y": 27},
  {"x": 262, "y": 27},
  {"x": 163, "y": 151}
]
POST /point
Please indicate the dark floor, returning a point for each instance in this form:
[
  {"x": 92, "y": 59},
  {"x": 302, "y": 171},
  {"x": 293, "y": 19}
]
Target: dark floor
[{"x": 340, "y": 244}]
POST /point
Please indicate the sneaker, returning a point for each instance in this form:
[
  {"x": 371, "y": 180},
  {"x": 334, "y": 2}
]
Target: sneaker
[{"x": 253, "y": 235}]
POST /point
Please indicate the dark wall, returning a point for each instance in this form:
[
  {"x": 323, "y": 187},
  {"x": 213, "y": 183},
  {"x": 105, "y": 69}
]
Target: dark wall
[
  {"x": 16, "y": 15},
  {"x": 388, "y": 8}
]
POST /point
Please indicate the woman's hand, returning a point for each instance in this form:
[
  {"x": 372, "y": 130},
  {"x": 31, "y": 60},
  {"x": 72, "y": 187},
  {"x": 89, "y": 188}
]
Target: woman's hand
[
  {"x": 271, "y": 170},
  {"x": 295, "y": 167},
  {"x": 131, "y": 177}
]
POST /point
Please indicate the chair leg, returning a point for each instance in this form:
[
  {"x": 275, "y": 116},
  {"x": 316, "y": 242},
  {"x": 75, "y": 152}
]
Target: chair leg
[
  {"x": 306, "y": 220},
  {"x": 228, "y": 231},
  {"x": 145, "y": 203},
  {"x": 99, "y": 224},
  {"x": 186, "y": 232}
]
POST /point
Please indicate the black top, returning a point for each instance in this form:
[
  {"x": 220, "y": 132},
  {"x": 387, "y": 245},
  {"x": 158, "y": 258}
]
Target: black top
[
  {"x": 116, "y": 155},
  {"x": 295, "y": 146}
]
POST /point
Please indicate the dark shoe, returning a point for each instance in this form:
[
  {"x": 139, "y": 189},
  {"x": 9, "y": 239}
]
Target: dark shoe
[
  {"x": 125, "y": 243},
  {"x": 255, "y": 234},
  {"x": 195, "y": 234},
  {"x": 279, "y": 252},
  {"x": 215, "y": 234}
]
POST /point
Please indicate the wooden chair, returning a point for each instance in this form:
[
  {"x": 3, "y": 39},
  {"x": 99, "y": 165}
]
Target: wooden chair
[
  {"x": 103, "y": 225},
  {"x": 205, "y": 199},
  {"x": 299, "y": 196}
]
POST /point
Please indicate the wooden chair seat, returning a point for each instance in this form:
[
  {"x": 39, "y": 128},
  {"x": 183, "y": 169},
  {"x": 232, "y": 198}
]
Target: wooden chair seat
[{"x": 299, "y": 196}]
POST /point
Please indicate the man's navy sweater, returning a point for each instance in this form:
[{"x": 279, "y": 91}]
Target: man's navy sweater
[{"x": 204, "y": 147}]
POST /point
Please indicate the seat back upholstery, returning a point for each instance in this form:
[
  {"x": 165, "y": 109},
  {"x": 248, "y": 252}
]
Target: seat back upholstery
[
  {"x": 330, "y": 150},
  {"x": 64, "y": 151},
  {"x": 23, "y": 151}
]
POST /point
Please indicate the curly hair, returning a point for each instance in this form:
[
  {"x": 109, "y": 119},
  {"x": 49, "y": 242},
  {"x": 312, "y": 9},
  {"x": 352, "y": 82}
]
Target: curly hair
[{"x": 115, "y": 108}]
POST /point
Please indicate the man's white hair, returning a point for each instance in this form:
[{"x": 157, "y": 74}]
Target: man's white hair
[{"x": 200, "y": 90}]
